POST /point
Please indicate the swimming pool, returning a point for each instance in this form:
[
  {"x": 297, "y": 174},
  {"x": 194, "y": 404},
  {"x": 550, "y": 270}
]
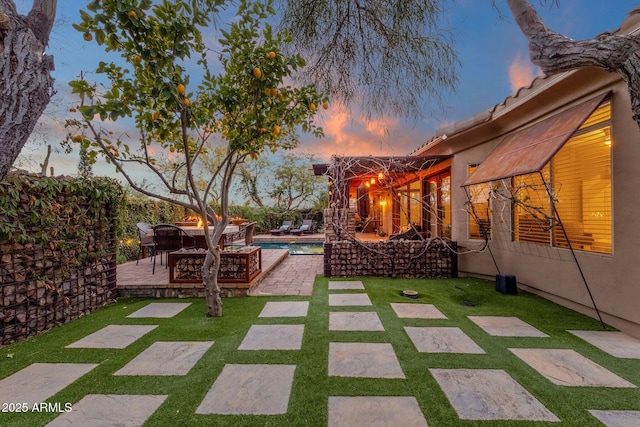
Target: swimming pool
[{"x": 298, "y": 248}]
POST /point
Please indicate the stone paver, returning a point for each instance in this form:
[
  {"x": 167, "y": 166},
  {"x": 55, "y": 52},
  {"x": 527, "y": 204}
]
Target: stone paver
[
  {"x": 39, "y": 381},
  {"x": 250, "y": 389},
  {"x": 349, "y": 300},
  {"x": 166, "y": 358},
  {"x": 355, "y": 321},
  {"x": 98, "y": 410},
  {"x": 160, "y": 310},
  {"x": 617, "y": 344},
  {"x": 113, "y": 336},
  {"x": 363, "y": 360},
  {"x": 375, "y": 411},
  {"x": 442, "y": 340},
  {"x": 273, "y": 337},
  {"x": 294, "y": 276},
  {"x": 569, "y": 368},
  {"x": 504, "y": 326},
  {"x": 489, "y": 394},
  {"x": 417, "y": 311},
  {"x": 285, "y": 309},
  {"x": 345, "y": 284},
  {"x": 617, "y": 418}
]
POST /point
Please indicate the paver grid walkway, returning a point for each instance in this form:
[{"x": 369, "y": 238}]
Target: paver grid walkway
[{"x": 264, "y": 389}]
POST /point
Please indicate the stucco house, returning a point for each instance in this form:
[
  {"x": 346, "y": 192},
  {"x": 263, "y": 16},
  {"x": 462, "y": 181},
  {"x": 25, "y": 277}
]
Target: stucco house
[{"x": 551, "y": 177}]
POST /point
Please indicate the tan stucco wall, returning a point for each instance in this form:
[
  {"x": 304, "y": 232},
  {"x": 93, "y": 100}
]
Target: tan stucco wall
[{"x": 614, "y": 279}]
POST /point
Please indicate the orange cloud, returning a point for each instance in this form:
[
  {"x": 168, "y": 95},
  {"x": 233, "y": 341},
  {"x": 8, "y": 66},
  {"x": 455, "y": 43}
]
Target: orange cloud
[
  {"x": 350, "y": 135},
  {"x": 522, "y": 72}
]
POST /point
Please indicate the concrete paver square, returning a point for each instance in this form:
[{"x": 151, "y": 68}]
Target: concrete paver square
[
  {"x": 363, "y": 360},
  {"x": 160, "y": 309},
  {"x": 113, "y": 336},
  {"x": 617, "y": 418},
  {"x": 285, "y": 309},
  {"x": 617, "y": 344},
  {"x": 345, "y": 284},
  {"x": 273, "y": 337},
  {"x": 417, "y": 311},
  {"x": 569, "y": 368},
  {"x": 166, "y": 358},
  {"x": 489, "y": 394},
  {"x": 39, "y": 381},
  {"x": 355, "y": 321},
  {"x": 375, "y": 411},
  {"x": 249, "y": 389},
  {"x": 110, "y": 410},
  {"x": 505, "y": 326},
  {"x": 442, "y": 340},
  {"x": 349, "y": 299}
]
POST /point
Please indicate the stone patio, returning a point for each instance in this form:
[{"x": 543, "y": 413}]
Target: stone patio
[
  {"x": 160, "y": 310},
  {"x": 442, "y": 340},
  {"x": 503, "y": 326},
  {"x": 569, "y": 368},
  {"x": 285, "y": 309},
  {"x": 363, "y": 360},
  {"x": 349, "y": 300},
  {"x": 616, "y": 344},
  {"x": 417, "y": 311},
  {"x": 375, "y": 411},
  {"x": 489, "y": 394},
  {"x": 113, "y": 336},
  {"x": 355, "y": 321},
  {"x": 166, "y": 358},
  {"x": 273, "y": 337},
  {"x": 250, "y": 389}
]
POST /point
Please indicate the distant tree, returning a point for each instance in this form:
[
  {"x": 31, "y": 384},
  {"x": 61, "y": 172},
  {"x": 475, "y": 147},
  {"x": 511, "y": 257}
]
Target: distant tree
[
  {"x": 248, "y": 105},
  {"x": 26, "y": 84},
  {"x": 288, "y": 184}
]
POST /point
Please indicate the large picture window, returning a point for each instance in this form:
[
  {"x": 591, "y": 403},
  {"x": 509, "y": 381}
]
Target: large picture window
[
  {"x": 478, "y": 206},
  {"x": 579, "y": 180}
]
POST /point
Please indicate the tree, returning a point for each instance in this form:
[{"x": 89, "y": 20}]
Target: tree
[
  {"x": 26, "y": 84},
  {"x": 386, "y": 56},
  {"x": 248, "y": 104},
  {"x": 555, "y": 53},
  {"x": 290, "y": 183}
]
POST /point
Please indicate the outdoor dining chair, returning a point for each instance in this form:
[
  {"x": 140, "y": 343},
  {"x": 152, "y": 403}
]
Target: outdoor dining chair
[
  {"x": 145, "y": 239},
  {"x": 169, "y": 238}
]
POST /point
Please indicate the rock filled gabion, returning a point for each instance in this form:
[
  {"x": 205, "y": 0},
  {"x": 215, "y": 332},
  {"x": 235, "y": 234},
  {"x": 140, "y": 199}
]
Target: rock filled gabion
[
  {"x": 65, "y": 269},
  {"x": 392, "y": 258}
]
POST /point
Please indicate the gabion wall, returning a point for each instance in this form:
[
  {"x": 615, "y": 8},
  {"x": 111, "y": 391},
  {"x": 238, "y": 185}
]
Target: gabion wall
[
  {"x": 392, "y": 258},
  {"x": 57, "y": 251}
]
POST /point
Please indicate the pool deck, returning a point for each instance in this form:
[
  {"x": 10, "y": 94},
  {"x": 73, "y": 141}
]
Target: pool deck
[{"x": 135, "y": 279}]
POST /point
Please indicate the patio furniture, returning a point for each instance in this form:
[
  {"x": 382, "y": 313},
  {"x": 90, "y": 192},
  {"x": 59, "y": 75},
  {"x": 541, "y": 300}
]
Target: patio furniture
[
  {"x": 145, "y": 239},
  {"x": 284, "y": 228},
  {"x": 304, "y": 228},
  {"x": 245, "y": 232},
  {"x": 169, "y": 238}
]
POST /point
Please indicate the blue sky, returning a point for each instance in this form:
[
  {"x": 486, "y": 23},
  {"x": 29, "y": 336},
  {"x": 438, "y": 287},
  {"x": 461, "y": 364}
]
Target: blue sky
[{"x": 493, "y": 52}]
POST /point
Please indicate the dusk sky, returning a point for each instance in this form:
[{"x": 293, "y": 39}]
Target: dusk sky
[{"x": 494, "y": 64}]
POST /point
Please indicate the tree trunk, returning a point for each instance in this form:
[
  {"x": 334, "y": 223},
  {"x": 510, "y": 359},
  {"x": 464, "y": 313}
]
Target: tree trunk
[
  {"x": 26, "y": 85},
  {"x": 210, "y": 270},
  {"x": 555, "y": 53}
]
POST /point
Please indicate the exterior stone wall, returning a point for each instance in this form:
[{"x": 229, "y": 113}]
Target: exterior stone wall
[
  {"x": 391, "y": 258},
  {"x": 57, "y": 252}
]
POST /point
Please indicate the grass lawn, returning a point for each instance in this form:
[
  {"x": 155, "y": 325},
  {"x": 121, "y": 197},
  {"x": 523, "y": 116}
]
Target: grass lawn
[{"x": 308, "y": 404}]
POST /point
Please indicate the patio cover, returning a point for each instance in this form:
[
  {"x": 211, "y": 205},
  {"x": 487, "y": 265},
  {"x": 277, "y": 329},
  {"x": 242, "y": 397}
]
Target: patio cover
[{"x": 528, "y": 150}]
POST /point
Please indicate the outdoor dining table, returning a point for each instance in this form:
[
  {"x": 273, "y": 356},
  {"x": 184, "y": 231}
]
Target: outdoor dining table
[{"x": 198, "y": 233}]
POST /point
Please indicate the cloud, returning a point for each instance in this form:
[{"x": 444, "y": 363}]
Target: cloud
[
  {"x": 522, "y": 72},
  {"x": 349, "y": 134}
]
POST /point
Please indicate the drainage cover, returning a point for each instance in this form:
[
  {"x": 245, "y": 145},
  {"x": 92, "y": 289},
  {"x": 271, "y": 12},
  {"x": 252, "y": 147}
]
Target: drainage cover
[{"x": 469, "y": 303}]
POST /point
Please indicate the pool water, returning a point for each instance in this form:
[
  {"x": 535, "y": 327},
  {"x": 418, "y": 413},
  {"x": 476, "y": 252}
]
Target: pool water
[{"x": 310, "y": 248}]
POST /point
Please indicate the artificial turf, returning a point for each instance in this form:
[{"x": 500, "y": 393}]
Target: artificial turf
[{"x": 308, "y": 403}]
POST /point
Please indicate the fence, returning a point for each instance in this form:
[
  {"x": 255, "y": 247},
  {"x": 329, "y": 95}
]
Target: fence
[{"x": 57, "y": 251}]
